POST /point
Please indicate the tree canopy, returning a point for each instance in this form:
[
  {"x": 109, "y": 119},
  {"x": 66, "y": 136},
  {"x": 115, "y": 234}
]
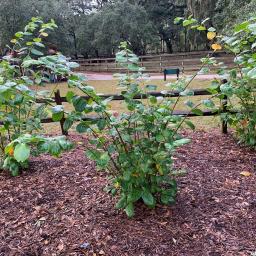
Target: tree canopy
[{"x": 95, "y": 28}]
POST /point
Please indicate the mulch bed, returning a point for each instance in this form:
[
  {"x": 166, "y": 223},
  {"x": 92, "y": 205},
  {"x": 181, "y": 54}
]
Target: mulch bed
[{"x": 59, "y": 207}]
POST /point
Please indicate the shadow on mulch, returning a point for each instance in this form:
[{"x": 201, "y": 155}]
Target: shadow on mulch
[{"x": 59, "y": 208}]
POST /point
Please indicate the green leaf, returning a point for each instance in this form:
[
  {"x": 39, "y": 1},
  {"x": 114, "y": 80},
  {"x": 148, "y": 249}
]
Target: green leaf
[
  {"x": 197, "y": 112},
  {"x": 36, "y": 52},
  {"x": 189, "y": 22},
  {"x": 79, "y": 103},
  {"x": 69, "y": 96},
  {"x": 152, "y": 99},
  {"x": 168, "y": 196},
  {"x": 201, "y": 28},
  {"x": 151, "y": 87},
  {"x": 92, "y": 154},
  {"x": 103, "y": 161},
  {"x": 21, "y": 152},
  {"x": 189, "y": 103},
  {"x": 190, "y": 125},
  {"x": 57, "y": 113},
  {"x": 252, "y": 73},
  {"x": 121, "y": 203},
  {"x": 242, "y": 26},
  {"x": 134, "y": 195},
  {"x": 187, "y": 92},
  {"x": 54, "y": 148},
  {"x": 177, "y": 20},
  {"x": 14, "y": 169},
  {"x": 160, "y": 138},
  {"x": 252, "y": 27},
  {"x": 68, "y": 124},
  {"x": 211, "y": 29},
  {"x": 101, "y": 124},
  {"x": 83, "y": 127},
  {"x": 181, "y": 142},
  {"x": 73, "y": 65},
  {"x": 148, "y": 198},
  {"x": 129, "y": 210},
  {"x": 208, "y": 103}
]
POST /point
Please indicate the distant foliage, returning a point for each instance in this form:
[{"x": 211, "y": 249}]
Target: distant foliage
[{"x": 229, "y": 13}]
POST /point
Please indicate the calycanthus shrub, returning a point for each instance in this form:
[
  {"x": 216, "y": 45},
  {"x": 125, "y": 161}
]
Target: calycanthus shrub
[{"x": 136, "y": 146}]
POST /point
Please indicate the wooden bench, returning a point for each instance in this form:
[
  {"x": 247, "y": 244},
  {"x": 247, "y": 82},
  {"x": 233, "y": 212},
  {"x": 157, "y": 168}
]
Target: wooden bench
[{"x": 172, "y": 71}]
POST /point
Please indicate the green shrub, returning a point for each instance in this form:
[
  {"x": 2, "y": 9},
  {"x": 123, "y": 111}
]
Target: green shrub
[
  {"x": 241, "y": 80},
  {"x": 20, "y": 111},
  {"x": 136, "y": 147},
  {"x": 19, "y": 150}
]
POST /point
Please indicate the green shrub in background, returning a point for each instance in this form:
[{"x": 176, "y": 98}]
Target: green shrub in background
[
  {"x": 240, "y": 80},
  {"x": 20, "y": 114}
]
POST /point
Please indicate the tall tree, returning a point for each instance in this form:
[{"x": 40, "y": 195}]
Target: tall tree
[
  {"x": 121, "y": 21},
  {"x": 162, "y": 13}
]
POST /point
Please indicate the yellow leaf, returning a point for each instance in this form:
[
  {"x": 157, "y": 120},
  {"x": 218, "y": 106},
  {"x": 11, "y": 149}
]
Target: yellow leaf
[
  {"x": 211, "y": 35},
  {"x": 246, "y": 174},
  {"x": 14, "y": 41},
  {"x": 159, "y": 168},
  {"x": 216, "y": 47},
  {"x": 117, "y": 185},
  {"x": 44, "y": 34},
  {"x": 11, "y": 151},
  {"x": 80, "y": 143}
]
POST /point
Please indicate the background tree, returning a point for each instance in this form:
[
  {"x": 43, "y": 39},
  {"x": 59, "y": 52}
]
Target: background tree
[{"x": 95, "y": 28}]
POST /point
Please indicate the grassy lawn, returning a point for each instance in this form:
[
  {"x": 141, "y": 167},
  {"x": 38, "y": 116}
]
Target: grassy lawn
[{"x": 110, "y": 87}]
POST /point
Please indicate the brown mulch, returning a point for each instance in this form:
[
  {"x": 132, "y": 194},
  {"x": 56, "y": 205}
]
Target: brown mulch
[{"x": 59, "y": 207}]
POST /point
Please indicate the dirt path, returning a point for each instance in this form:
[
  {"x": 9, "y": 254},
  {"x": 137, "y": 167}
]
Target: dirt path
[
  {"x": 59, "y": 208},
  {"x": 109, "y": 77}
]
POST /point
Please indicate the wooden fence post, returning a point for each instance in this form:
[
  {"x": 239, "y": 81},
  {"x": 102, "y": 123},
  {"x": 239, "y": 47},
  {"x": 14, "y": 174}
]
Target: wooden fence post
[
  {"x": 225, "y": 110},
  {"x": 59, "y": 102},
  {"x": 224, "y": 105}
]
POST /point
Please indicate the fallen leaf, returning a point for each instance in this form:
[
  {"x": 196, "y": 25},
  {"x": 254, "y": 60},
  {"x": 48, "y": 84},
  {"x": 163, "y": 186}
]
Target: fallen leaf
[
  {"x": 46, "y": 242},
  {"x": 60, "y": 247},
  {"x": 101, "y": 252},
  {"x": 246, "y": 174}
]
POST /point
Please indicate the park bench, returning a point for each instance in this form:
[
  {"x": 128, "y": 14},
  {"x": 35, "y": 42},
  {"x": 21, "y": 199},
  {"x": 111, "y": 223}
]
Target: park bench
[{"x": 171, "y": 71}]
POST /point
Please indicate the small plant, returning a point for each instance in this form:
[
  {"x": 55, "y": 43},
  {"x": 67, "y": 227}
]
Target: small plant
[
  {"x": 135, "y": 147},
  {"x": 240, "y": 86},
  {"x": 19, "y": 150}
]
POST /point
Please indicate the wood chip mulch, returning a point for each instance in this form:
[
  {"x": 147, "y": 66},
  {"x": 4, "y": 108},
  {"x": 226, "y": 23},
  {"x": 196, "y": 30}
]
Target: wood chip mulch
[{"x": 59, "y": 207}]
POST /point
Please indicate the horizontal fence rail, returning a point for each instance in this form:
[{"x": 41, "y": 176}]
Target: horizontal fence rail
[
  {"x": 189, "y": 61},
  {"x": 118, "y": 97}
]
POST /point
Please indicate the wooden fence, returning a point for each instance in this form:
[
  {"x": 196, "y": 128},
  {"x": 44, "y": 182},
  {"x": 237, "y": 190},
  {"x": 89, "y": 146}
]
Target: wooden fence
[
  {"x": 118, "y": 97},
  {"x": 187, "y": 62}
]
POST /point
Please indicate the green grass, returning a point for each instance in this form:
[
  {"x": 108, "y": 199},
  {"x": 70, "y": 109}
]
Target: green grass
[{"x": 110, "y": 87}]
